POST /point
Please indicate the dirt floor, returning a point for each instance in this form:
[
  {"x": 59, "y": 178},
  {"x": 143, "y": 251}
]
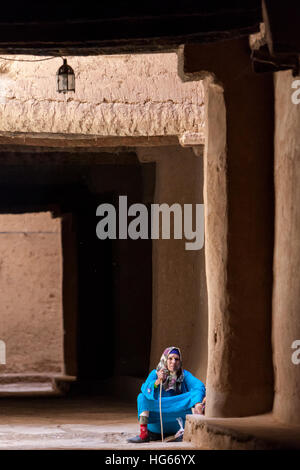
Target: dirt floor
[{"x": 71, "y": 423}]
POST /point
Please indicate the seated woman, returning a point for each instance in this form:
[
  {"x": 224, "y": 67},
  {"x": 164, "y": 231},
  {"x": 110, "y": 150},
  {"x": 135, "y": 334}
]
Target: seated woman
[{"x": 180, "y": 392}]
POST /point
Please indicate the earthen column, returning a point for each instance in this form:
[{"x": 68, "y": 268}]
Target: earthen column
[
  {"x": 238, "y": 198},
  {"x": 286, "y": 294}
]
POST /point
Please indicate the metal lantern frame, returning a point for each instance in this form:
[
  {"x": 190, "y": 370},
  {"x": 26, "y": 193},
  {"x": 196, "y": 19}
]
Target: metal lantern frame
[{"x": 65, "y": 78}]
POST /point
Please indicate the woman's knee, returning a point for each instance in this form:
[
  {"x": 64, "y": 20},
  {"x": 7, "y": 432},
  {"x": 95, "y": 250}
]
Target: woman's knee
[
  {"x": 142, "y": 403},
  {"x": 139, "y": 397}
]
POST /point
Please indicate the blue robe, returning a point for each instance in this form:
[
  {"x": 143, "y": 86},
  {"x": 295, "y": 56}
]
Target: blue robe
[{"x": 173, "y": 405}]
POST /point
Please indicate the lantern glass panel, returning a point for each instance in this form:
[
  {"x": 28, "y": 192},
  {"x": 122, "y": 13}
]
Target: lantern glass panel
[
  {"x": 62, "y": 83},
  {"x": 71, "y": 82}
]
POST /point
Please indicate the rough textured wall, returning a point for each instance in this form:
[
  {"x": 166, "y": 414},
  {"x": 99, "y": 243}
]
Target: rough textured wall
[
  {"x": 239, "y": 203},
  {"x": 286, "y": 293},
  {"x": 31, "y": 284},
  {"x": 179, "y": 311},
  {"x": 122, "y": 95}
]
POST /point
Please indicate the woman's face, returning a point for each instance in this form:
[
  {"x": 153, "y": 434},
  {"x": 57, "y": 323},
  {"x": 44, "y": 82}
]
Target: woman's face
[{"x": 173, "y": 362}]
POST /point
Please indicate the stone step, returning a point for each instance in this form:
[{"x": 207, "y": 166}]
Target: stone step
[
  {"x": 34, "y": 384},
  {"x": 260, "y": 432},
  {"x": 22, "y": 388}
]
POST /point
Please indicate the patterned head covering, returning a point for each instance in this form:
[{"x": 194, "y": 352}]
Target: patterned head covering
[{"x": 174, "y": 380}]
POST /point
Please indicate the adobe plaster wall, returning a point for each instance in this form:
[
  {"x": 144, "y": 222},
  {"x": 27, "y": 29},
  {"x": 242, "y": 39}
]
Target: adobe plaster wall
[
  {"x": 179, "y": 315},
  {"x": 286, "y": 292},
  {"x": 130, "y": 95},
  {"x": 31, "y": 293},
  {"x": 122, "y": 95}
]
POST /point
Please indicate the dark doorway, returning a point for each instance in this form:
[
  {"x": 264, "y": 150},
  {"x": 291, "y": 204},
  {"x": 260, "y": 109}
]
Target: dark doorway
[
  {"x": 96, "y": 308},
  {"x": 114, "y": 302}
]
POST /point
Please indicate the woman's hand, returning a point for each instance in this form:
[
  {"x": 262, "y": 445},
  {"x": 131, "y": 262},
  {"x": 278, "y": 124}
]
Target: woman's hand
[
  {"x": 198, "y": 409},
  {"x": 161, "y": 375}
]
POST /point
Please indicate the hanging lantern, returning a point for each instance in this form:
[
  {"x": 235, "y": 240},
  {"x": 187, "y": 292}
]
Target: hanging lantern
[{"x": 65, "y": 78}]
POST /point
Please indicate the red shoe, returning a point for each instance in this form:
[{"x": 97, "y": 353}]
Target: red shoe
[{"x": 138, "y": 440}]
